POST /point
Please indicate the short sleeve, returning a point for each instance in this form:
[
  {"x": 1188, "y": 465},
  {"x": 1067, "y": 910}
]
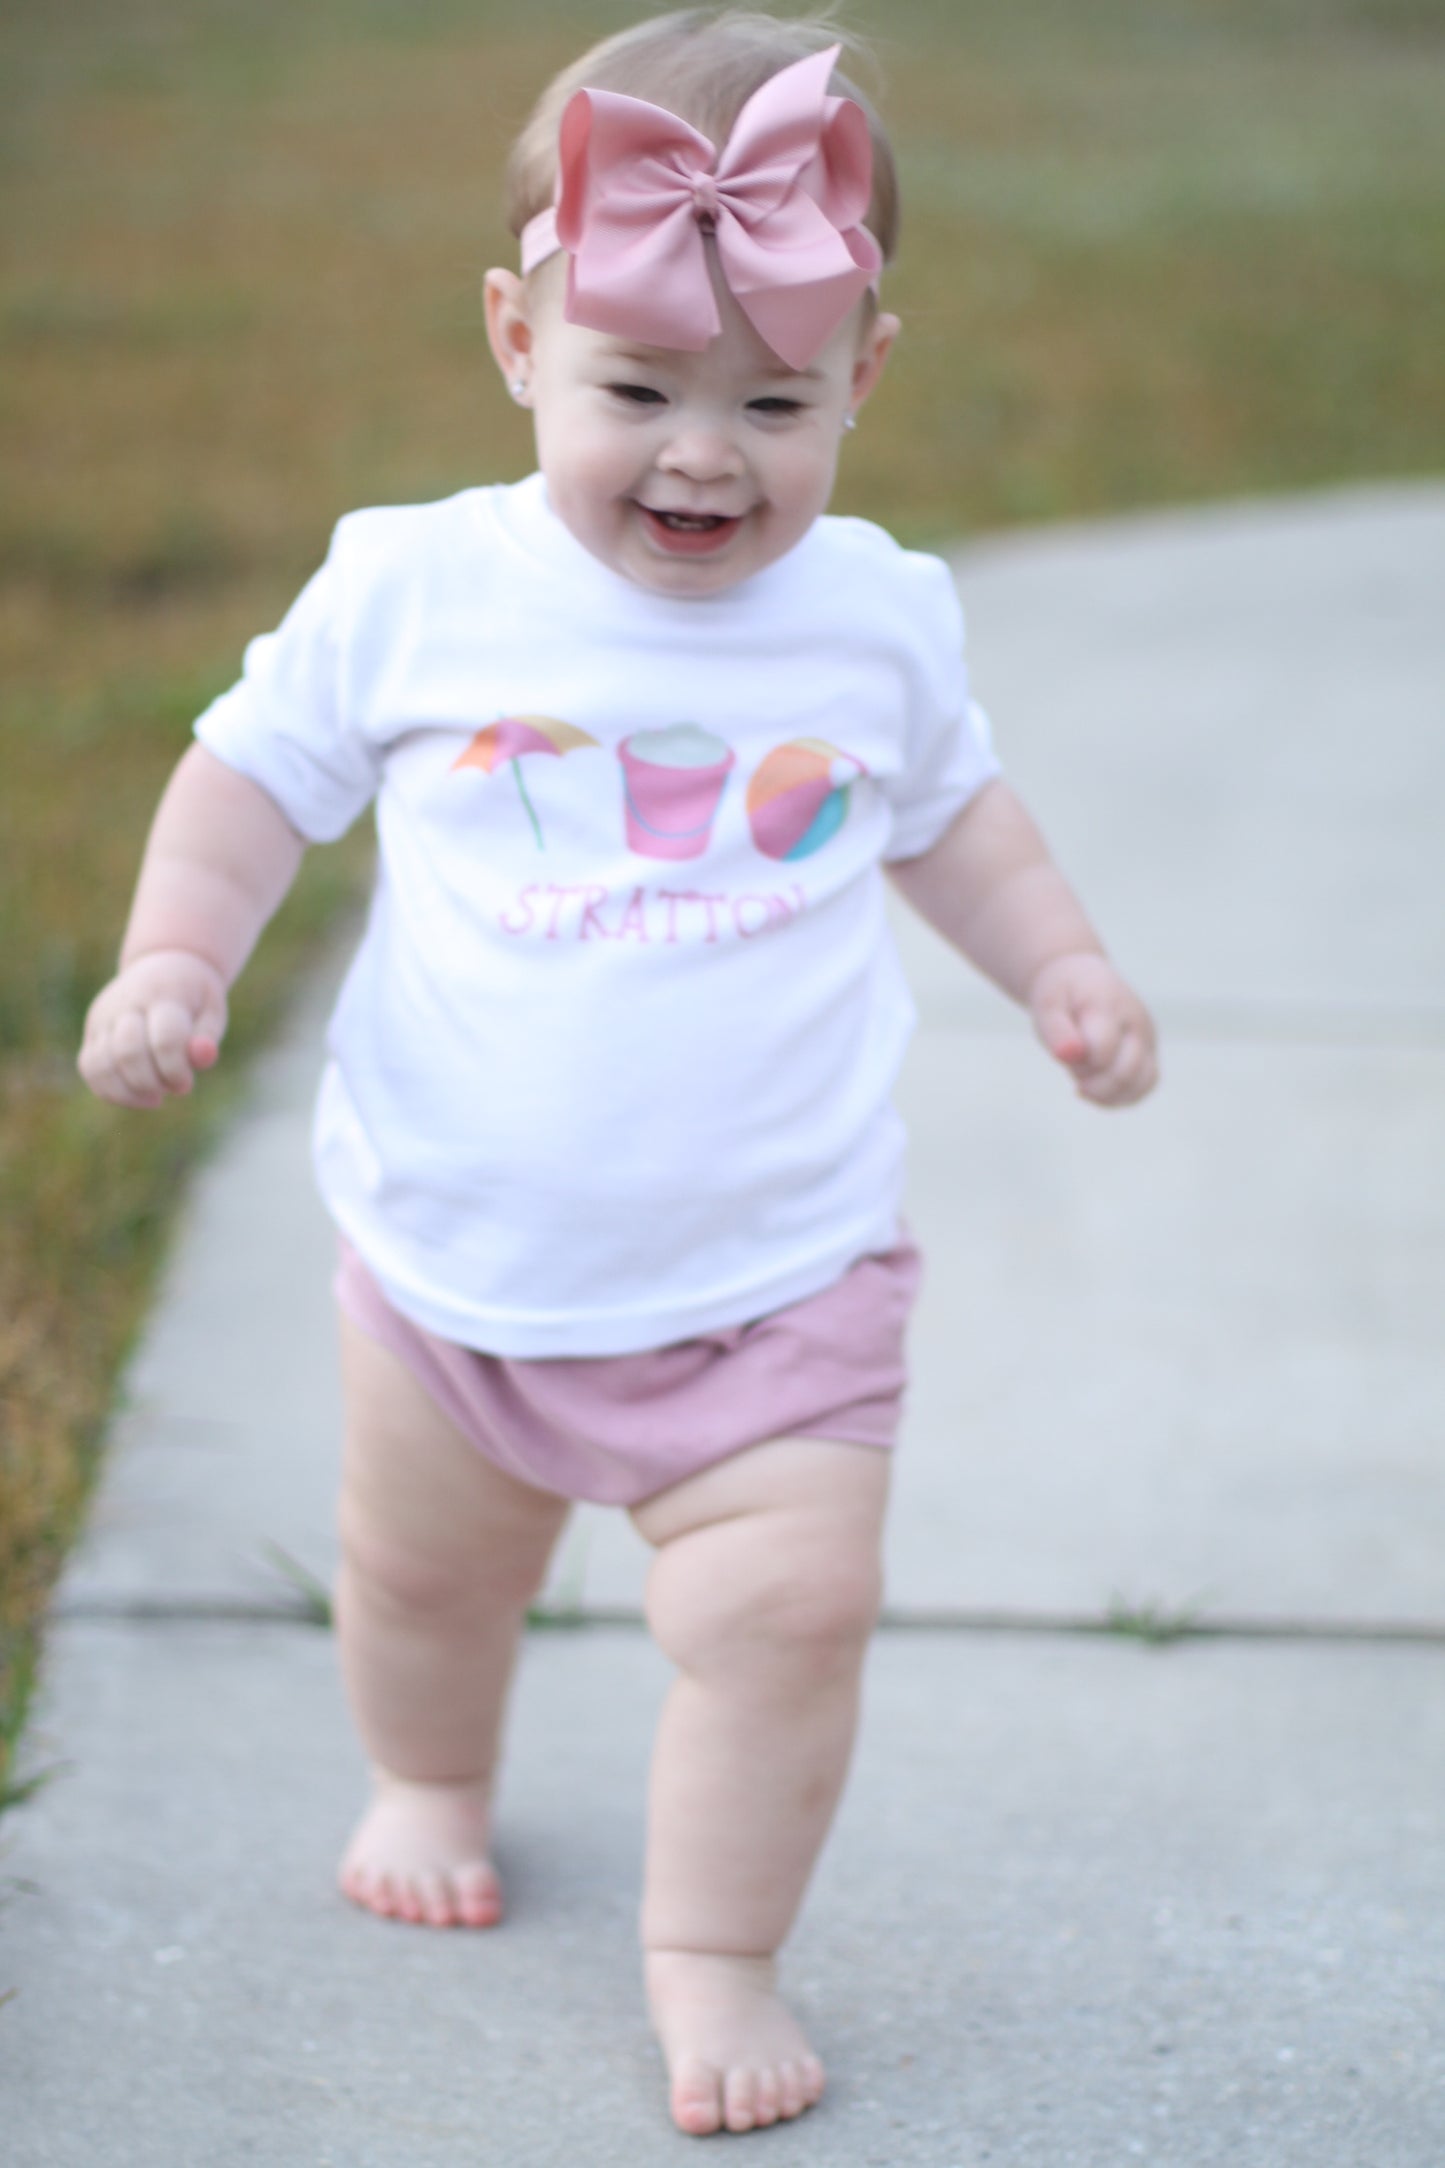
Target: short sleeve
[
  {"x": 285, "y": 725},
  {"x": 949, "y": 754}
]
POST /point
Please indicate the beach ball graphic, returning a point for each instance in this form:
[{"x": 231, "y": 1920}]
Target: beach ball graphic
[{"x": 798, "y": 797}]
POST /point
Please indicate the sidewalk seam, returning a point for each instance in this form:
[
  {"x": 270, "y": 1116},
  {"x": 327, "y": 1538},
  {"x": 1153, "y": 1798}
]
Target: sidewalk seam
[{"x": 919, "y": 1619}]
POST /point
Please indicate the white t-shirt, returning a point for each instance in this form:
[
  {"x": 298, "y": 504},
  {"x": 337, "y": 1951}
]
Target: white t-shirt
[{"x": 612, "y": 1066}]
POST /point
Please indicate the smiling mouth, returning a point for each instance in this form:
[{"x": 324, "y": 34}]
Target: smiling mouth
[{"x": 690, "y": 533}]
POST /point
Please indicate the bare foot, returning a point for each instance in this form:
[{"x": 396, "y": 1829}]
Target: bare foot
[
  {"x": 420, "y": 1854},
  {"x": 736, "y": 2056}
]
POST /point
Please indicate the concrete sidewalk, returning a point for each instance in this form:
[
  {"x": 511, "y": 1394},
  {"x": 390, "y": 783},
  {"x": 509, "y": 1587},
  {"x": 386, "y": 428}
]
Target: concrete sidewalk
[{"x": 1089, "y": 1901}]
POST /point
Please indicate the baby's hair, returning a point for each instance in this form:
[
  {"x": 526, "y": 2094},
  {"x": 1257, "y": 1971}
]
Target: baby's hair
[{"x": 703, "y": 64}]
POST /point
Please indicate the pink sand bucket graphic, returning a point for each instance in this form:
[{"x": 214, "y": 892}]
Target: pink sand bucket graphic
[{"x": 672, "y": 781}]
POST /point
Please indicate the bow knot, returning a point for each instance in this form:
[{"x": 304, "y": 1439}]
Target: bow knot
[
  {"x": 705, "y": 198},
  {"x": 637, "y": 189}
]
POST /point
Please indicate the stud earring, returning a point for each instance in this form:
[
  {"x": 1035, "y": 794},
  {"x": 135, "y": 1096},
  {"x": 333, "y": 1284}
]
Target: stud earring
[
  {"x": 850, "y": 421},
  {"x": 518, "y": 387}
]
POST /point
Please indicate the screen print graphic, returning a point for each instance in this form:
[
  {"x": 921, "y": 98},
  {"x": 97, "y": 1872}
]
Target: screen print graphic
[
  {"x": 673, "y": 781},
  {"x": 798, "y": 797},
  {"x": 514, "y": 737}
]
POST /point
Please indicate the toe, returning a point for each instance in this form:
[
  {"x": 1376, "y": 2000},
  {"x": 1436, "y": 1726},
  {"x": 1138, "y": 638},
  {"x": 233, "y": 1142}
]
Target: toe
[
  {"x": 766, "y": 2103},
  {"x": 740, "y": 2098},
  {"x": 435, "y": 1900},
  {"x": 371, "y": 1891},
  {"x": 478, "y": 1897},
  {"x": 812, "y": 2071},
  {"x": 408, "y": 1901},
  {"x": 696, "y": 2101},
  {"x": 383, "y": 1896},
  {"x": 791, "y": 2098},
  {"x": 354, "y": 1883}
]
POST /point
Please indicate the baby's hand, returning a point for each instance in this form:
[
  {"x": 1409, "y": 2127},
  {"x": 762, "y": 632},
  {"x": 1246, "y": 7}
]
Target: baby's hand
[
  {"x": 148, "y": 1032},
  {"x": 1097, "y": 1027}
]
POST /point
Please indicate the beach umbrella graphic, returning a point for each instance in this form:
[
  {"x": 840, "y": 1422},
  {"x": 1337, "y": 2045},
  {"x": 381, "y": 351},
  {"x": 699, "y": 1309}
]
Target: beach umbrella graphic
[{"x": 510, "y": 739}]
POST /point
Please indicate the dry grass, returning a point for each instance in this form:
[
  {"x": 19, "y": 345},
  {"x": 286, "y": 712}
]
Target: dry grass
[{"x": 1154, "y": 250}]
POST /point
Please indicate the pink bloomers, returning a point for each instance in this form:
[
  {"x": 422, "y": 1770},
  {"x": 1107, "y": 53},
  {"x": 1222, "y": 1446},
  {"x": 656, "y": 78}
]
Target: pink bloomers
[{"x": 617, "y": 1428}]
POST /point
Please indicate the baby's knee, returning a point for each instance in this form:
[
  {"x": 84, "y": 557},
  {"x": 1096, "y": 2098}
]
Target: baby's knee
[
  {"x": 817, "y": 1628},
  {"x": 807, "y": 1594},
  {"x": 416, "y": 1579}
]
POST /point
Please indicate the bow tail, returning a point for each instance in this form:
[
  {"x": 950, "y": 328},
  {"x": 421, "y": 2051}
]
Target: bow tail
[{"x": 796, "y": 330}]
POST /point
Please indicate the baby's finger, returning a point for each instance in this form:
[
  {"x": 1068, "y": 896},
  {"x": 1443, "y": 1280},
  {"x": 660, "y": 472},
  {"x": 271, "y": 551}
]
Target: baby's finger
[
  {"x": 203, "y": 1048},
  {"x": 132, "y": 1061},
  {"x": 102, "y": 1074},
  {"x": 169, "y": 1031},
  {"x": 1129, "y": 1075},
  {"x": 92, "y": 1063},
  {"x": 1143, "y": 1073},
  {"x": 1101, "y": 1030},
  {"x": 1055, "y": 1024}
]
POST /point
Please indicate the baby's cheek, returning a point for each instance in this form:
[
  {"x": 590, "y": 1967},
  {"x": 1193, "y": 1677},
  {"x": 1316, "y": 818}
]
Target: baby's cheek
[{"x": 805, "y": 484}]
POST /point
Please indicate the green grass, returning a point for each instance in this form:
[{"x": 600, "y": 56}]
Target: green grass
[{"x": 1154, "y": 250}]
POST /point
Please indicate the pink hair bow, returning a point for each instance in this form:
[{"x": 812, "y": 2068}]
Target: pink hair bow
[{"x": 637, "y": 188}]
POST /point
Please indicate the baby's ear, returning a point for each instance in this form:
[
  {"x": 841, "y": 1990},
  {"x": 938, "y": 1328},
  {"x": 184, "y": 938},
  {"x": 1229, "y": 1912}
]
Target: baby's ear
[
  {"x": 873, "y": 353},
  {"x": 509, "y": 323}
]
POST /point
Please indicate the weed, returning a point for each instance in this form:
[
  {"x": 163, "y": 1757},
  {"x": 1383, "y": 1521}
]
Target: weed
[
  {"x": 316, "y": 1604},
  {"x": 15, "y": 1791},
  {"x": 564, "y": 1609},
  {"x": 1156, "y": 1624}
]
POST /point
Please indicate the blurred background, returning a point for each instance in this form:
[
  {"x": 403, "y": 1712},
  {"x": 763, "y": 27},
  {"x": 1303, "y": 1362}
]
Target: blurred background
[{"x": 1154, "y": 251}]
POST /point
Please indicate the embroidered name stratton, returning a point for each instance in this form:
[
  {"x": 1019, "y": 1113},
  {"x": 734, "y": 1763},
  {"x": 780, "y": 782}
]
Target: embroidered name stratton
[{"x": 561, "y": 911}]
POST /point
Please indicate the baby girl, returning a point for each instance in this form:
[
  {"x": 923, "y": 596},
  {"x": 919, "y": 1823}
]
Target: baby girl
[{"x": 606, "y": 1128}]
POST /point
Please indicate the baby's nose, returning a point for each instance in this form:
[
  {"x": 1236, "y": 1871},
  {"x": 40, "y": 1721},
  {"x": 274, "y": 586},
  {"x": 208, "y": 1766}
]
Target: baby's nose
[{"x": 702, "y": 451}]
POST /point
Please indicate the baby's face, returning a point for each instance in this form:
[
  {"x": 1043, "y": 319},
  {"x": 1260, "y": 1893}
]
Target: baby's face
[{"x": 683, "y": 472}]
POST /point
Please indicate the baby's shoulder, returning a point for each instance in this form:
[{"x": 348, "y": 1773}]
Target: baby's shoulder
[
  {"x": 392, "y": 537},
  {"x": 392, "y": 568},
  {"x": 870, "y": 577}
]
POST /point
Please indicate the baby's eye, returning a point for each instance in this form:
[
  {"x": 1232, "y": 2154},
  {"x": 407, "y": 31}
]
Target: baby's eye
[
  {"x": 636, "y": 394},
  {"x": 775, "y": 405}
]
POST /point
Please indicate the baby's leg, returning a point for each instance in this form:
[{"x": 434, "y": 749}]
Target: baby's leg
[
  {"x": 764, "y": 1591},
  {"x": 441, "y": 1553}
]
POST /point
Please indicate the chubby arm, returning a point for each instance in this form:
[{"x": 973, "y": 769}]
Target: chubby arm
[
  {"x": 991, "y": 889},
  {"x": 220, "y": 858}
]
